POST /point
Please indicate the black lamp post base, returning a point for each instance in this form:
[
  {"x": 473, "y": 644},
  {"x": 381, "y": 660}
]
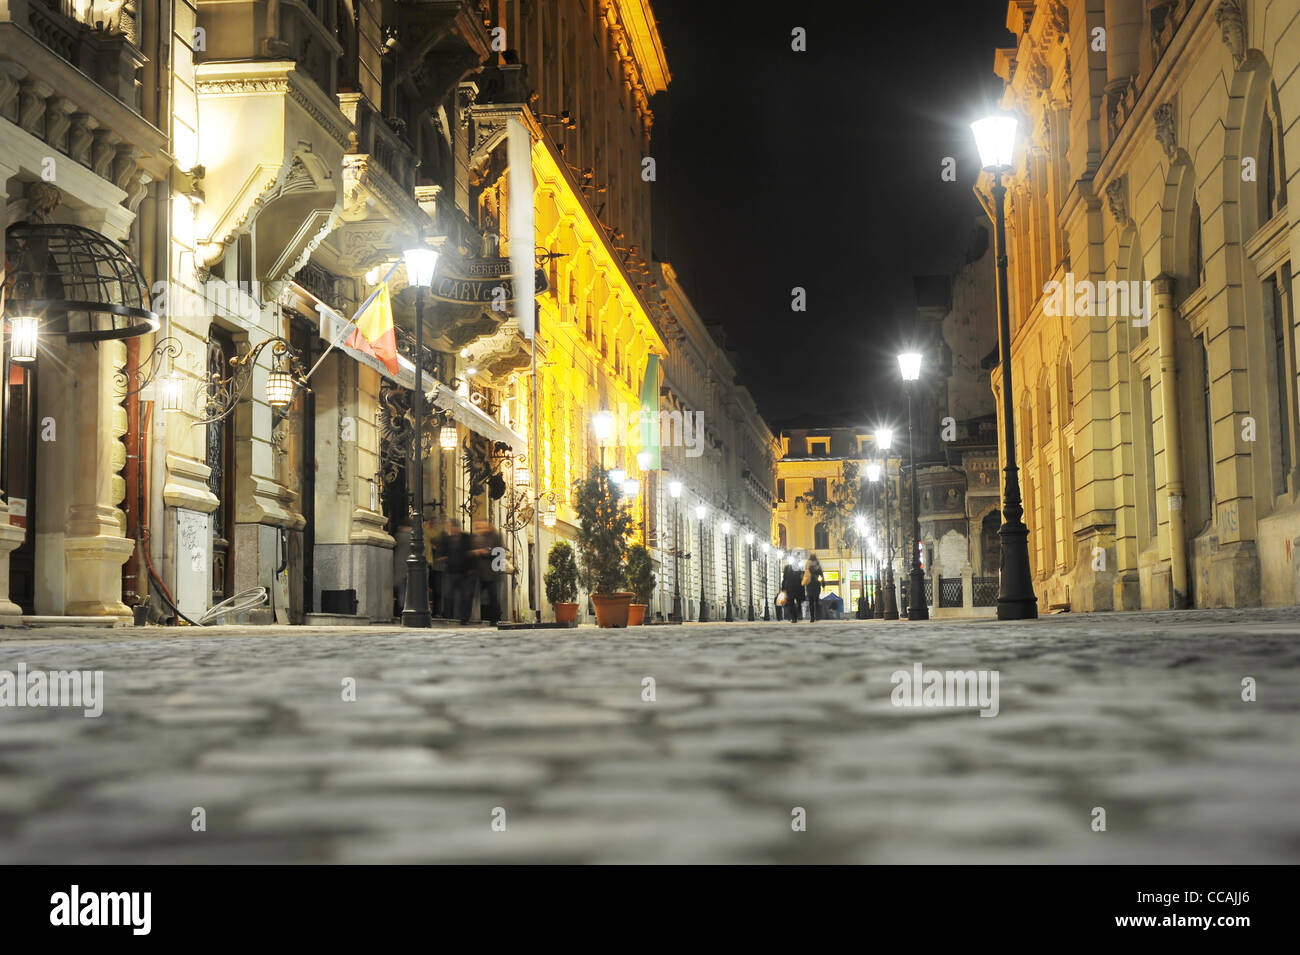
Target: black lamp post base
[
  {"x": 416, "y": 618},
  {"x": 1017, "y": 600},
  {"x": 916, "y": 608},
  {"x": 891, "y": 601}
]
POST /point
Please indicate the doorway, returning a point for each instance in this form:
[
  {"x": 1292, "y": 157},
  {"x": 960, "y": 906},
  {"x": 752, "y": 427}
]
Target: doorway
[{"x": 20, "y": 421}]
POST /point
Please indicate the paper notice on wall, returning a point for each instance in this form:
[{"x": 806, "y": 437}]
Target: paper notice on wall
[{"x": 523, "y": 259}]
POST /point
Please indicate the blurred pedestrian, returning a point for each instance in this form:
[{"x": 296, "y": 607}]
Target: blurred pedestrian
[
  {"x": 794, "y": 592},
  {"x": 813, "y": 579},
  {"x": 488, "y": 559}
]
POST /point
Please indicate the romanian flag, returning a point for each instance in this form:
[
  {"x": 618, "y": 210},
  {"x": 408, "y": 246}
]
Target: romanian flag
[{"x": 374, "y": 332}]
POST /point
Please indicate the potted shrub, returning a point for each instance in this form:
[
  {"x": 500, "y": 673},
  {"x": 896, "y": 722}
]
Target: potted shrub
[
  {"x": 641, "y": 581},
  {"x": 603, "y": 528},
  {"x": 562, "y": 582}
]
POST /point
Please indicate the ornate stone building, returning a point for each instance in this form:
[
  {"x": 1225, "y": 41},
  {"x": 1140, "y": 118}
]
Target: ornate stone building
[
  {"x": 1156, "y": 413},
  {"x": 717, "y": 445}
]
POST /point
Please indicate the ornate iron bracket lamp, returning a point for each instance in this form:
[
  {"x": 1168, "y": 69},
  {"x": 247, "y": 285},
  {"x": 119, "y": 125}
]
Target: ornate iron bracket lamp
[{"x": 287, "y": 375}]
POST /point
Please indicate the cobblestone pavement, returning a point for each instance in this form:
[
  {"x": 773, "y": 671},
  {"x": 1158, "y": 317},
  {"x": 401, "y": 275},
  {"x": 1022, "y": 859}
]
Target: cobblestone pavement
[{"x": 1140, "y": 714}]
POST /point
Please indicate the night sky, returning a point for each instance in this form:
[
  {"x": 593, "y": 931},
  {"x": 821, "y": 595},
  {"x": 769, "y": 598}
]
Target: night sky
[{"x": 819, "y": 169}]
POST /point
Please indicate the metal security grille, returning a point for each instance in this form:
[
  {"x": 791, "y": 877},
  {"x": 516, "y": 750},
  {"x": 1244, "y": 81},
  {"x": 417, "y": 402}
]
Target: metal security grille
[
  {"x": 985, "y": 591},
  {"x": 950, "y": 592}
]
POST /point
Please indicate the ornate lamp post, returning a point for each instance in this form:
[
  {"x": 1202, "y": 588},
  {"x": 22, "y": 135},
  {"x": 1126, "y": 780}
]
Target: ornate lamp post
[
  {"x": 675, "y": 490},
  {"x": 749, "y": 575},
  {"x": 995, "y": 137},
  {"x": 602, "y": 422},
  {"x": 420, "y": 266},
  {"x": 909, "y": 364},
  {"x": 767, "y": 613},
  {"x": 885, "y": 438},
  {"x": 860, "y": 523},
  {"x": 702, "y": 511},
  {"x": 726, "y": 565},
  {"x": 878, "y": 603}
]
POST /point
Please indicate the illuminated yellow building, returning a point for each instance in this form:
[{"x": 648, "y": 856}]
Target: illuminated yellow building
[
  {"x": 596, "y": 338},
  {"x": 1152, "y": 247}
]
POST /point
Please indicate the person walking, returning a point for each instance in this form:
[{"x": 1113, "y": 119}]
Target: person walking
[
  {"x": 813, "y": 579},
  {"x": 485, "y": 551},
  {"x": 793, "y": 588}
]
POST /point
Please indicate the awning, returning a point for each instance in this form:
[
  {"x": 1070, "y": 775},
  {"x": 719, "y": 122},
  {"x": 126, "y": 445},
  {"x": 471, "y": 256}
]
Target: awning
[
  {"x": 332, "y": 326},
  {"x": 473, "y": 417}
]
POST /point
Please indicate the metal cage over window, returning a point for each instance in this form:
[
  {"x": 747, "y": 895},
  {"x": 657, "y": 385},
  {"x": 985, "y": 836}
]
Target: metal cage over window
[{"x": 78, "y": 283}]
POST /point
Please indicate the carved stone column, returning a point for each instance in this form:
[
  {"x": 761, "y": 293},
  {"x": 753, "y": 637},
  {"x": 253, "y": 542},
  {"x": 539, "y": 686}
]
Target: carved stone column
[
  {"x": 95, "y": 547},
  {"x": 10, "y": 536}
]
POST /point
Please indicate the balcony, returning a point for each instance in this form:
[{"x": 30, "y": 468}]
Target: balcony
[{"x": 103, "y": 50}]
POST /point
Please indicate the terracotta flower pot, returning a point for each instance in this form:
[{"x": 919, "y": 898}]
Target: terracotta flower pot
[
  {"x": 566, "y": 613},
  {"x": 636, "y": 615},
  {"x": 611, "y": 609}
]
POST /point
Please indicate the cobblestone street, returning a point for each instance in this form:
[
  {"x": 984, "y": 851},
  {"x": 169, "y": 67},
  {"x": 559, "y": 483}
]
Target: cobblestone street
[{"x": 1140, "y": 714}]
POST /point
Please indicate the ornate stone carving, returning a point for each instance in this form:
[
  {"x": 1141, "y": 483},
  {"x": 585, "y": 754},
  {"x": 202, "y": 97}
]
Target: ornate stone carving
[
  {"x": 1058, "y": 18},
  {"x": 58, "y": 117},
  {"x": 1231, "y": 19},
  {"x": 42, "y": 199},
  {"x": 8, "y": 89},
  {"x": 103, "y": 152},
  {"x": 1165, "y": 135},
  {"x": 1117, "y": 199},
  {"x": 125, "y": 162},
  {"x": 31, "y": 106},
  {"x": 80, "y": 136}
]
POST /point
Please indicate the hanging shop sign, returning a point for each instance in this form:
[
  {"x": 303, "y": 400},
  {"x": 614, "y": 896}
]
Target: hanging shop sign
[{"x": 486, "y": 282}]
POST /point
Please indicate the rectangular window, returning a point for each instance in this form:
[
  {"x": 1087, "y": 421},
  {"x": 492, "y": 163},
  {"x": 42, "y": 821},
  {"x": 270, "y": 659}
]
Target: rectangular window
[
  {"x": 1148, "y": 436},
  {"x": 1209, "y": 429},
  {"x": 1285, "y": 385},
  {"x": 780, "y": 489},
  {"x": 819, "y": 490}
]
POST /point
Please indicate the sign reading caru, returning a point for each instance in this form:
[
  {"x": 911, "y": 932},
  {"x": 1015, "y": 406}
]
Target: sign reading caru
[{"x": 476, "y": 281}]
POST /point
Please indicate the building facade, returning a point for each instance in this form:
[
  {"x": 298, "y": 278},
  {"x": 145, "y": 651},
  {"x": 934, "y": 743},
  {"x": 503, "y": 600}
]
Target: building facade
[
  {"x": 709, "y": 541},
  {"x": 1154, "y": 346},
  {"x": 813, "y": 461}
]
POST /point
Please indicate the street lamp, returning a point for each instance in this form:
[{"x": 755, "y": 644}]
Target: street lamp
[
  {"x": 909, "y": 363},
  {"x": 860, "y": 523},
  {"x": 726, "y": 563},
  {"x": 617, "y": 476},
  {"x": 701, "y": 511},
  {"x": 23, "y": 338},
  {"x": 749, "y": 575},
  {"x": 877, "y": 602},
  {"x": 885, "y": 438},
  {"x": 995, "y": 137},
  {"x": 675, "y": 489},
  {"x": 767, "y": 548},
  {"x": 421, "y": 263},
  {"x": 602, "y": 422}
]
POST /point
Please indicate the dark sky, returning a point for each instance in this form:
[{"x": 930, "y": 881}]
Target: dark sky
[{"x": 818, "y": 169}]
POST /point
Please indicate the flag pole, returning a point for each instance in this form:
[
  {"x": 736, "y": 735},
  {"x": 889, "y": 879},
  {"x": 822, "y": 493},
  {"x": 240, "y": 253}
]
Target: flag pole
[{"x": 352, "y": 322}]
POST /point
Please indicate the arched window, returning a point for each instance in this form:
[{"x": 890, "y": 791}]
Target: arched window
[
  {"x": 781, "y": 540},
  {"x": 1067, "y": 385},
  {"x": 1197, "y": 251},
  {"x": 821, "y": 537},
  {"x": 1270, "y": 172}
]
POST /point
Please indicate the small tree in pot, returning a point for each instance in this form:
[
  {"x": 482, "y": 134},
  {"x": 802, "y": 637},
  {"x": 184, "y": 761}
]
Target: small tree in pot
[
  {"x": 641, "y": 581},
  {"x": 562, "y": 582},
  {"x": 603, "y": 528}
]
